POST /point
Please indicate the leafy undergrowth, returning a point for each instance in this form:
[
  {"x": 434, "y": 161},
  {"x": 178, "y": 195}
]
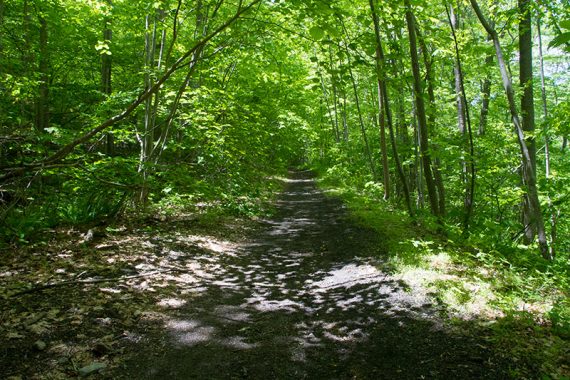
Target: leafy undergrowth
[
  {"x": 521, "y": 299},
  {"x": 70, "y": 305}
]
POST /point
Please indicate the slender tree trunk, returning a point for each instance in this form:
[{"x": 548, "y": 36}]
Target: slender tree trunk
[
  {"x": 106, "y": 74},
  {"x": 486, "y": 95},
  {"x": 528, "y": 174},
  {"x": 1, "y": 31},
  {"x": 384, "y": 104},
  {"x": 460, "y": 104},
  {"x": 326, "y": 98},
  {"x": 26, "y": 58},
  {"x": 383, "y": 146},
  {"x": 430, "y": 111},
  {"x": 421, "y": 114},
  {"x": 359, "y": 112},
  {"x": 553, "y": 212},
  {"x": 466, "y": 131},
  {"x": 163, "y": 131},
  {"x": 42, "y": 101},
  {"x": 335, "y": 96},
  {"x": 418, "y": 171},
  {"x": 544, "y": 102},
  {"x": 344, "y": 119}
]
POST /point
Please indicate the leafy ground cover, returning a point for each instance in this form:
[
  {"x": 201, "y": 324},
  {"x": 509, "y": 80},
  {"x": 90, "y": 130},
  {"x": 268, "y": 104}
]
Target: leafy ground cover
[
  {"x": 522, "y": 299},
  {"x": 101, "y": 284}
]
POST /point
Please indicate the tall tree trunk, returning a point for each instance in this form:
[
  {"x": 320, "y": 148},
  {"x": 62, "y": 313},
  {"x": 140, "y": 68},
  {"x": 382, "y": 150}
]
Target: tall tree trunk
[
  {"x": 2, "y": 32},
  {"x": 327, "y": 103},
  {"x": 527, "y": 104},
  {"x": 464, "y": 125},
  {"x": 430, "y": 111},
  {"x": 335, "y": 96},
  {"x": 383, "y": 146},
  {"x": 460, "y": 103},
  {"x": 146, "y": 139},
  {"x": 553, "y": 212},
  {"x": 528, "y": 174},
  {"x": 106, "y": 74},
  {"x": 486, "y": 95},
  {"x": 384, "y": 104},
  {"x": 201, "y": 30},
  {"x": 421, "y": 114},
  {"x": 359, "y": 112},
  {"x": 544, "y": 102},
  {"x": 26, "y": 58},
  {"x": 344, "y": 119},
  {"x": 42, "y": 101}
]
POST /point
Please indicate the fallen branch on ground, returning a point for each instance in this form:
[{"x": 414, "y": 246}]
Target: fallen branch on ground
[{"x": 89, "y": 281}]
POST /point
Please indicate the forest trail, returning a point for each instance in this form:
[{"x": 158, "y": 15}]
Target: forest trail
[{"x": 302, "y": 300}]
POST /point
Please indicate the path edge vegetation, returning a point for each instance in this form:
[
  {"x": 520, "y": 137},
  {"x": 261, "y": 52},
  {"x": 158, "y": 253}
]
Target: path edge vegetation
[{"x": 523, "y": 304}]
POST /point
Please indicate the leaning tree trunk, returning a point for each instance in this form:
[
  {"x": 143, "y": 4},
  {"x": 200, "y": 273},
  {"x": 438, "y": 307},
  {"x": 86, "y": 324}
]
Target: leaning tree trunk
[
  {"x": 421, "y": 114},
  {"x": 528, "y": 173}
]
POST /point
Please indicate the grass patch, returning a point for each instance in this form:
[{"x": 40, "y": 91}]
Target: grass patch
[{"x": 524, "y": 300}]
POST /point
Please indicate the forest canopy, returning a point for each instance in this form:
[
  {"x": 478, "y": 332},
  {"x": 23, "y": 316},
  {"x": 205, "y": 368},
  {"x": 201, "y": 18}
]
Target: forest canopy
[{"x": 456, "y": 111}]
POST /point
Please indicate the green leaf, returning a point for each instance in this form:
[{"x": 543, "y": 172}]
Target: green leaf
[
  {"x": 317, "y": 33},
  {"x": 560, "y": 40},
  {"x": 565, "y": 24}
]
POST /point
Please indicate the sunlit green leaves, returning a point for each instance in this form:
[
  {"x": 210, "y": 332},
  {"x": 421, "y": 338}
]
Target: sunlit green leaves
[{"x": 317, "y": 33}]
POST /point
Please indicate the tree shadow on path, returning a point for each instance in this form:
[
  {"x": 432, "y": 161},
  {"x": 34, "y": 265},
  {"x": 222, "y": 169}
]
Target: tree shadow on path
[{"x": 304, "y": 299}]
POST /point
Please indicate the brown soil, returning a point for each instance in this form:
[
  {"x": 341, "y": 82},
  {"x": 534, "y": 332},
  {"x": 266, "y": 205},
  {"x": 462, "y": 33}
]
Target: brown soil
[{"x": 300, "y": 295}]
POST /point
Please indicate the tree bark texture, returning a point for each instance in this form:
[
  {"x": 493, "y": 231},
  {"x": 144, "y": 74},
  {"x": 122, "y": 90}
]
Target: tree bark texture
[
  {"x": 527, "y": 104},
  {"x": 385, "y": 104},
  {"x": 421, "y": 114}
]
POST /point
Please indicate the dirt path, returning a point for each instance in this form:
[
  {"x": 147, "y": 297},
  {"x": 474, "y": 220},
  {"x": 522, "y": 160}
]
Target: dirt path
[{"x": 302, "y": 300}]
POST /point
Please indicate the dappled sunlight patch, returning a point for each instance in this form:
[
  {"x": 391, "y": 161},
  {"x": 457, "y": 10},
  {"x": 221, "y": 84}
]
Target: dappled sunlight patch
[
  {"x": 110, "y": 290},
  {"x": 416, "y": 277},
  {"x": 439, "y": 261},
  {"x": 238, "y": 343},
  {"x": 536, "y": 308},
  {"x": 463, "y": 299},
  {"x": 183, "y": 278},
  {"x": 190, "y": 332},
  {"x": 211, "y": 244},
  {"x": 171, "y": 303},
  {"x": 262, "y": 304},
  {"x": 348, "y": 276},
  {"x": 182, "y": 324}
]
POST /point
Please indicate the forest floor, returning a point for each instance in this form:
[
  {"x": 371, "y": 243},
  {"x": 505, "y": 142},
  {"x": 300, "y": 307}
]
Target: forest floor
[{"x": 305, "y": 293}]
